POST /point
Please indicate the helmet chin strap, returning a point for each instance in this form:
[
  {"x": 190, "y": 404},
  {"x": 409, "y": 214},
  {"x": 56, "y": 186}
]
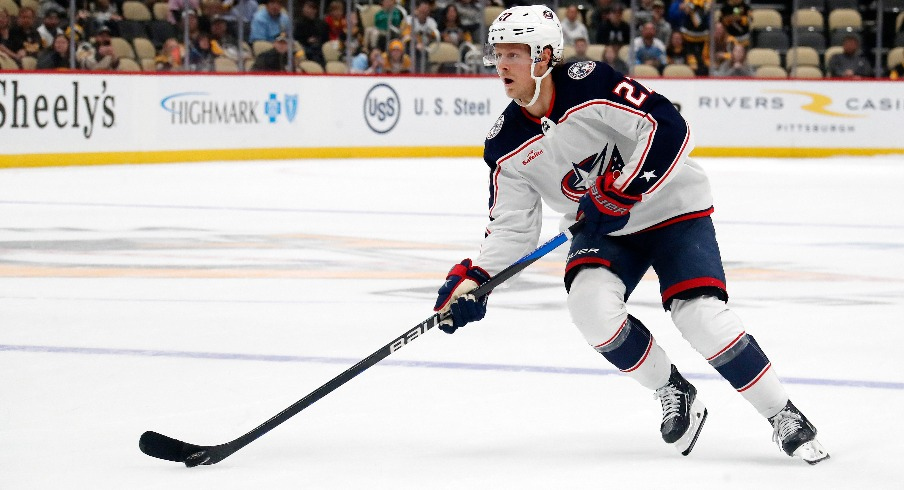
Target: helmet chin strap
[{"x": 537, "y": 81}]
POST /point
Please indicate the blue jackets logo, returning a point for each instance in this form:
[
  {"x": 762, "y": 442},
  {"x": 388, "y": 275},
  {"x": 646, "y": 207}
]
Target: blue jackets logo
[
  {"x": 201, "y": 108},
  {"x": 382, "y": 108}
]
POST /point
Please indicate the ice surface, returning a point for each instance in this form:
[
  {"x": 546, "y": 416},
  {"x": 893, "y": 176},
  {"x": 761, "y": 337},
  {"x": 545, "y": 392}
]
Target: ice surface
[{"x": 199, "y": 300}]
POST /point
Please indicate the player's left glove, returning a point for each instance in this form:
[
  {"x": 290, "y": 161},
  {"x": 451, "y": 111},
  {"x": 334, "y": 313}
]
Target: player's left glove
[
  {"x": 603, "y": 208},
  {"x": 454, "y": 296}
]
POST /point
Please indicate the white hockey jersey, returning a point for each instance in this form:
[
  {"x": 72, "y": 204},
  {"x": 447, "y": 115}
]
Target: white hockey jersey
[{"x": 599, "y": 121}]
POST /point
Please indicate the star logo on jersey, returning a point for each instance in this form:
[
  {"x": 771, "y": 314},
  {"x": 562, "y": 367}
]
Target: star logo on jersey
[
  {"x": 576, "y": 182},
  {"x": 648, "y": 176},
  {"x": 581, "y": 177}
]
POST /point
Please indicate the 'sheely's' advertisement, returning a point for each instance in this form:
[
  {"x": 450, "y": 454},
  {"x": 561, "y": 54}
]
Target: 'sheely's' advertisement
[{"x": 82, "y": 108}]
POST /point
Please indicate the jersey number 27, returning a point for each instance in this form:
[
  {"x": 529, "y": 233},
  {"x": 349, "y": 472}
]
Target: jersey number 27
[{"x": 635, "y": 94}]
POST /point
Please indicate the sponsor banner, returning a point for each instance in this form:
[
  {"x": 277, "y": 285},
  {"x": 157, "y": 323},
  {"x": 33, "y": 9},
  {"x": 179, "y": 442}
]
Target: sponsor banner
[
  {"x": 49, "y": 113},
  {"x": 198, "y": 117},
  {"x": 805, "y": 114},
  {"x": 117, "y": 113}
]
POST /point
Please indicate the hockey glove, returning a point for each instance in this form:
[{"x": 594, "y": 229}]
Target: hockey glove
[
  {"x": 603, "y": 208},
  {"x": 454, "y": 296}
]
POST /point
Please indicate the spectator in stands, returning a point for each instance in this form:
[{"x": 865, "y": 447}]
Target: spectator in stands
[
  {"x": 663, "y": 27},
  {"x": 194, "y": 25},
  {"x": 242, "y": 9},
  {"x": 611, "y": 58},
  {"x": 718, "y": 48},
  {"x": 469, "y": 12},
  {"x": 368, "y": 63},
  {"x": 176, "y": 7},
  {"x": 675, "y": 14},
  {"x": 336, "y": 21},
  {"x": 450, "y": 27},
  {"x": 275, "y": 58},
  {"x": 573, "y": 27},
  {"x": 648, "y": 50},
  {"x": 736, "y": 65},
  {"x": 56, "y": 57},
  {"x": 643, "y": 13},
  {"x": 222, "y": 42},
  {"x": 170, "y": 56},
  {"x": 695, "y": 24},
  {"x": 897, "y": 72},
  {"x": 736, "y": 19},
  {"x": 395, "y": 60},
  {"x": 387, "y": 22},
  {"x": 269, "y": 22},
  {"x": 4, "y": 34},
  {"x": 614, "y": 30},
  {"x": 24, "y": 39},
  {"x": 580, "y": 51},
  {"x": 677, "y": 54},
  {"x": 312, "y": 31},
  {"x": 83, "y": 49},
  {"x": 50, "y": 29},
  {"x": 422, "y": 30},
  {"x": 45, "y": 6},
  {"x": 598, "y": 14},
  {"x": 104, "y": 58},
  {"x": 355, "y": 43},
  {"x": 849, "y": 63},
  {"x": 104, "y": 13},
  {"x": 200, "y": 55}
]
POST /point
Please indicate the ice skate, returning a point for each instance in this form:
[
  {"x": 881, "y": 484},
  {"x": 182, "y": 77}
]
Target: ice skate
[
  {"x": 796, "y": 436},
  {"x": 683, "y": 414}
]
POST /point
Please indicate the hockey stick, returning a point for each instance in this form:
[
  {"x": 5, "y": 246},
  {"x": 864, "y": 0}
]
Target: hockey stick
[{"x": 164, "y": 447}]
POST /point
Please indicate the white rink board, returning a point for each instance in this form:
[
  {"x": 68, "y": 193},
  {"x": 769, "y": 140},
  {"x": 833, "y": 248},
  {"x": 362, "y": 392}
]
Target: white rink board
[{"x": 129, "y": 114}]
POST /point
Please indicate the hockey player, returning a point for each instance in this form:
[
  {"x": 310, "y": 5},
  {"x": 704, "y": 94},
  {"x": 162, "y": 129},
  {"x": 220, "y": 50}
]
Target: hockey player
[{"x": 599, "y": 146}]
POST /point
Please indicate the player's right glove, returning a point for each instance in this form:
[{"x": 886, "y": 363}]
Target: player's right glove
[
  {"x": 454, "y": 296},
  {"x": 603, "y": 208}
]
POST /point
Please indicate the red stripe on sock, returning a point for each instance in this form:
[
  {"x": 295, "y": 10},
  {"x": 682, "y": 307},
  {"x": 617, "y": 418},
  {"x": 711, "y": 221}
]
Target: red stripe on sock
[
  {"x": 613, "y": 337},
  {"x": 750, "y": 384},
  {"x": 642, "y": 359},
  {"x": 730, "y": 344}
]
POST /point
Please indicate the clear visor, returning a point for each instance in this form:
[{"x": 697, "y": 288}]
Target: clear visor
[{"x": 511, "y": 53}]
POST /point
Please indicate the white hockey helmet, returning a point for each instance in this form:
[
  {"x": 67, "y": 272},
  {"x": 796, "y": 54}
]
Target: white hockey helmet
[
  {"x": 534, "y": 25},
  {"x": 537, "y": 26}
]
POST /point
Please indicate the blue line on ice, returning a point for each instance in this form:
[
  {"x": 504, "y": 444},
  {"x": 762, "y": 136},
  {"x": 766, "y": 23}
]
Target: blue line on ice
[
  {"x": 884, "y": 226},
  {"x": 850, "y": 383}
]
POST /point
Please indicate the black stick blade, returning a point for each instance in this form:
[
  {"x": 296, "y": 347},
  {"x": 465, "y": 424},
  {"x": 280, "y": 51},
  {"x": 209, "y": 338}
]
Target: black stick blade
[{"x": 164, "y": 447}]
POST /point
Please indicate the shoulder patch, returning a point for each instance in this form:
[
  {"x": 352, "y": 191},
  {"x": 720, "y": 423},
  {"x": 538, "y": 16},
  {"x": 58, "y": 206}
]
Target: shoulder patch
[
  {"x": 581, "y": 69},
  {"x": 497, "y": 126}
]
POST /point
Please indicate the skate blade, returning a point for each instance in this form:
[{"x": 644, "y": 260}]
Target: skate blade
[
  {"x": 812, "y": 452},
  {"x": 685, "y": 444}
]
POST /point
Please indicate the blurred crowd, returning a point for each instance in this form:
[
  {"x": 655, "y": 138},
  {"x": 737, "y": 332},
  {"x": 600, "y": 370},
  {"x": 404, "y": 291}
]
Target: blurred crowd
[{"x": 681, "y": 38}]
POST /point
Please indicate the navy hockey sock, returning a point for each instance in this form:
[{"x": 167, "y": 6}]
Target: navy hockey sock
[
  {"x": 628, "y": 348},
  {"x": 742, "y": 362}
]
